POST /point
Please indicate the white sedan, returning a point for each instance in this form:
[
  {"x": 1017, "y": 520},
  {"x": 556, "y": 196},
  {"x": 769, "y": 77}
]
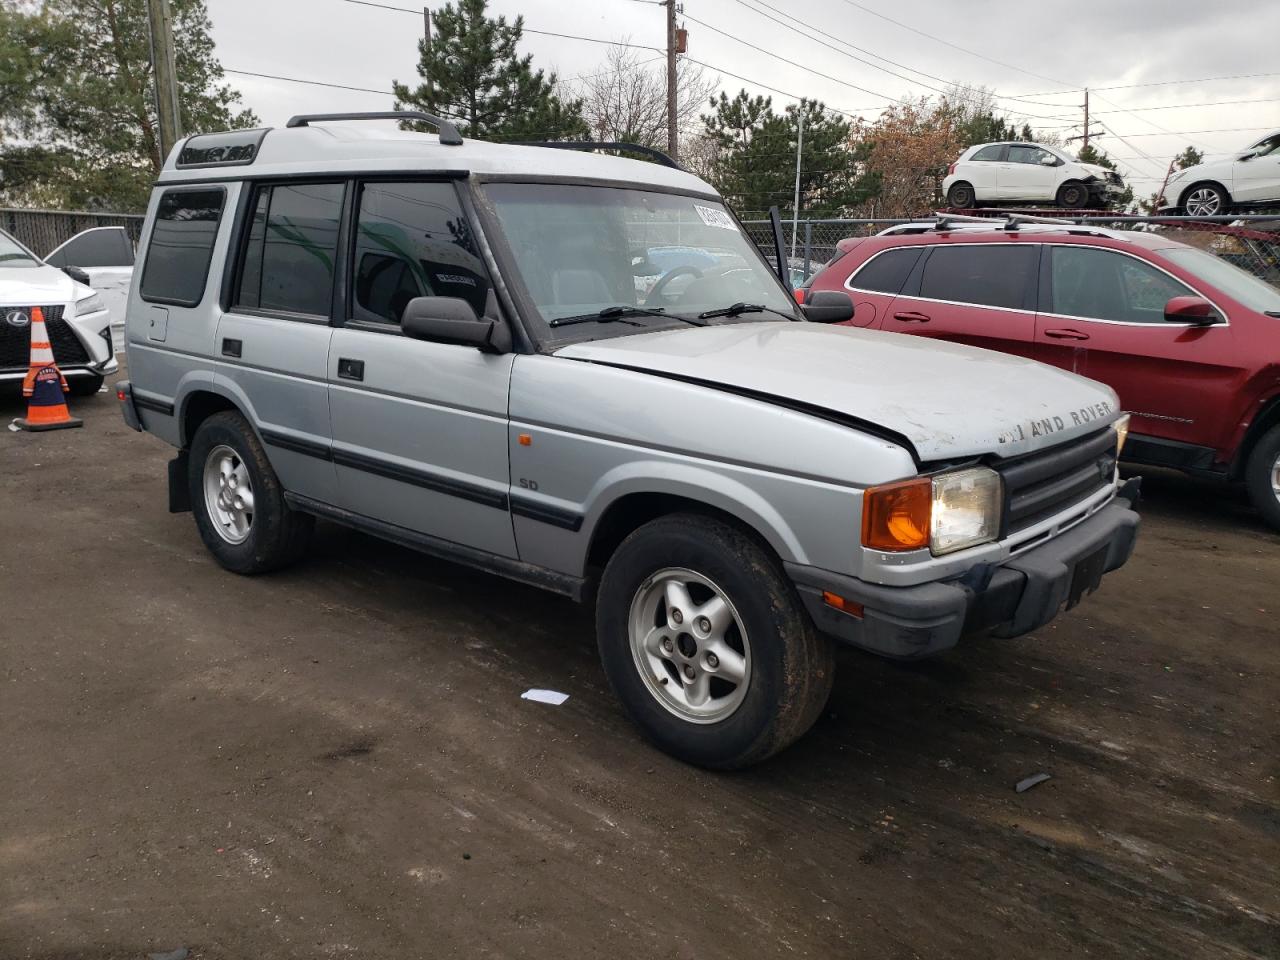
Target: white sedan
[
  {"x": 1027, "y": 173},
  {"x": 1249, "y": 177},
  {"x": 76, "y": 317}
]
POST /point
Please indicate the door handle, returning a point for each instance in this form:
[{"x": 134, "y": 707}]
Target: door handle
[
  {"x": 232, "y": 348},
  {"x": 910, "y": 316},
  {"x": 350, "y": 369},
  {"x": 1066, "y": 335}
]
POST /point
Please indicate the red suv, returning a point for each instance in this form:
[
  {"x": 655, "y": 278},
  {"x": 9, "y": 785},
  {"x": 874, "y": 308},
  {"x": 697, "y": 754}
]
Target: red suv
[{"x": 1189, "y": 341}]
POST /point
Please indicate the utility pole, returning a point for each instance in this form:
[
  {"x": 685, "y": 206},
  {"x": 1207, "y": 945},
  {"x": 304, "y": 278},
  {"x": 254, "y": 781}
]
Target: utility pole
[
  {"x": 164, "y": 66},
  {"x": 673, "y": 143},
  {"x": 1086, "y": 118},
  {"x": 426, "y": 32},
  {"x": 795, "y": 209}
]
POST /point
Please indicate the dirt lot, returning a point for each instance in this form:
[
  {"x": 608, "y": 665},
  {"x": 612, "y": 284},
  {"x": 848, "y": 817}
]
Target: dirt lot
[{"x": 335, "y": 760}]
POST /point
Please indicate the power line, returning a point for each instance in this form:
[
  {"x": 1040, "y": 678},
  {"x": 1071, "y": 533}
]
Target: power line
[
  {"x": 1154, "y": 83},
  {"x": 955, "y": 46}
]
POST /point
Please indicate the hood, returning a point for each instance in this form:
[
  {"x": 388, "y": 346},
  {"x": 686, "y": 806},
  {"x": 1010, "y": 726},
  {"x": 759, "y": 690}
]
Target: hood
[
  {"x": 950, "y": 401},
  {"x": 1093, "y": 168},
  {"x": 40, "y": 286}
]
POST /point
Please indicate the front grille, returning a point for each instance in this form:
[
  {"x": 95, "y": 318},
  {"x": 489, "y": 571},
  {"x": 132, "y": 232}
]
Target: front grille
[
  {"x": 1041, "y": 484},
  {"x": 15, "y": 342}
]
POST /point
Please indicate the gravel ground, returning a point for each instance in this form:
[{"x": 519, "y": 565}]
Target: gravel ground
[{"x": 335, "y": 760}]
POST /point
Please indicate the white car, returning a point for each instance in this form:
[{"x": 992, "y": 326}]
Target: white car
[
  {"x": 1027, "y": 173},
  {"x": 105, "y": 256},
  {"x": 76, "y": 316},
  {"x": 1249, "y": 177}
]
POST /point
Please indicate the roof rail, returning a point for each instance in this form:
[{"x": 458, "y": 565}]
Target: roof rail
[
  {"x": 449, "y": 135},
  {"x": 653, "y": 152}
]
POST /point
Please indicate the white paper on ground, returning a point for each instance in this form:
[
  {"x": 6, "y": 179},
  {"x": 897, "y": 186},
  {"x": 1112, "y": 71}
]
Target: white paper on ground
[{"x": 553, "y": 697}]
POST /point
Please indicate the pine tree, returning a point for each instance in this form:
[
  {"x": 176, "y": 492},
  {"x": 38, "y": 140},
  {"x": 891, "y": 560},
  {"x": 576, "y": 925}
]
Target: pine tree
[
  {"x": 87, "y": 131},
  {"x": 472, "y": 74}
]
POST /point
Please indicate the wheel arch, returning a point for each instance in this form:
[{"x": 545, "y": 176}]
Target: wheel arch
[
  {"x": 1267, "y": 418},
  {"x": 197, "y": 407},
  {"x": 630, "y": 511}
]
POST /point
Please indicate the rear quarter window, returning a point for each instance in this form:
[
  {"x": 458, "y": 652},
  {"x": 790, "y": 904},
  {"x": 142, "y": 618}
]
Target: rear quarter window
[
  {"x": 181, "y": 245},
  {"x": 886, "y": 272}
]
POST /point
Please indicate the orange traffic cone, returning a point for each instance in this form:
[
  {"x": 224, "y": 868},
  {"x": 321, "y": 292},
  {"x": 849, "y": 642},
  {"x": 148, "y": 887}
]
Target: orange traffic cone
[{"x": 44, "y": 384}]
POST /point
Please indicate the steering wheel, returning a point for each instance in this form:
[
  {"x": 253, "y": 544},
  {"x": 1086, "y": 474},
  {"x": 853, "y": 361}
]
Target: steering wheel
[{"x": 655, "y": 292}]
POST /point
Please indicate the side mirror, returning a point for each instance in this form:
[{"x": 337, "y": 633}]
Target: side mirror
[
  {"x": 1195, "y": 310},
  {"x": 77, "y": 274},
  {"x": 1048, "y": 161},
  {"x": 827, "y": 306},
  {"x": 453, "y": 320}
]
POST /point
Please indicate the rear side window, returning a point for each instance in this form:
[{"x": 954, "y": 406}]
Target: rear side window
[
  {"x": 413, "y": 240},
  {"x": 100, "y": 247},
  {"x": 991, "y": 153},
  {"x": 886, "y": 272},
  {"x": 1101, "y": 285},
  {"x": 987, "y": 275},
  {"x": 291, "y": 249},
  {"x": 181, "y": 245}
]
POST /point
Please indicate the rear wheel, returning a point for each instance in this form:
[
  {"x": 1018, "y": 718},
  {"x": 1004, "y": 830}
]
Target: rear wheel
[
  {"x": 84, "y": 386},
  {"x": 706, "y": 644},
  {"x": 960, "y": 196},
  {"x": 1205, "y": 200},
  {"x": 1073, "y": 195},
  {"x": 237, "y": 499},
  {"x": 1262, "y": 476}
]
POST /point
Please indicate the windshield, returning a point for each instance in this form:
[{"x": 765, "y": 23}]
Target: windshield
[
  {"x": 1234, "y": 282},
  {"x": 581, "y": 250},
  {"x": 13, "y": 254}
]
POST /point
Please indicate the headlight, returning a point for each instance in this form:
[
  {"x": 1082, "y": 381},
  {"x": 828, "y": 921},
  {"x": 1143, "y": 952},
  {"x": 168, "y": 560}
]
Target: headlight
[
  {"x": 966, "y": 509},
  {"x": 946, "y": 512},
  {"x": 1122, "y": 433},
  {"x": 90, "y": 304}
]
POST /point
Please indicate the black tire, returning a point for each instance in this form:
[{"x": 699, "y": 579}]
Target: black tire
[
  {"x": 277, "y": 535},
  {"x": 1261, "y": 472},
  {"x": 961, "y": 196},
  {"x": 84, "y": 386},
  {"x": 1215, "y": 200},
  {"x": 791, "y": 665},
  {"x": 1073, "y": 195}
]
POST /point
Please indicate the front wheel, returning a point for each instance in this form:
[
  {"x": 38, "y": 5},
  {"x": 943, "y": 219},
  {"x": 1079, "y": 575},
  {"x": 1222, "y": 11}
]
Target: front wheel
[
  {"x": 237, "y": 499},
  {"x": 1074, "y": 196},
  {"x": 705, "y": 643},
  {"x": 1262, "y": 476},
  {"x": 84, "y": 386}
]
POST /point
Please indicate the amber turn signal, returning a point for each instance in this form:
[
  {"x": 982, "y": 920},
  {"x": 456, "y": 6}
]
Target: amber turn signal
[
  {"x": 896, "y": 516},
  {"x": 843, "y": 604}
]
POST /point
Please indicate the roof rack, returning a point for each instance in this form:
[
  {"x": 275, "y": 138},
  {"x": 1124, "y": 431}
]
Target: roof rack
[
  {"x": 449, "y": 135},
  {"x": 653, "y": 152}
]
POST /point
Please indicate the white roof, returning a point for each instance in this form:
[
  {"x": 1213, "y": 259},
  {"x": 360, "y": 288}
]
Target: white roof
[{"x": 365, "y": 147}]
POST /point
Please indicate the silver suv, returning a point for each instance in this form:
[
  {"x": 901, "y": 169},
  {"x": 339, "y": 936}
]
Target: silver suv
[{"x": 577, "y": 371}]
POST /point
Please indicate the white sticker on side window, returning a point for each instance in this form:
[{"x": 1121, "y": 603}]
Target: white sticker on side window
[{"x": 715, "y": 218}]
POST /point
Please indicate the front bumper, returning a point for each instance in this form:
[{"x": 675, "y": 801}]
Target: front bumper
[{"x": 1022, "y": 594}]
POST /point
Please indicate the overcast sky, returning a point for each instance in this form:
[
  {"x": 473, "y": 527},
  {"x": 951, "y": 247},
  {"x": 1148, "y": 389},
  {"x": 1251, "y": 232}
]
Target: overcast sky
[{"x": 1046, "y": 53}]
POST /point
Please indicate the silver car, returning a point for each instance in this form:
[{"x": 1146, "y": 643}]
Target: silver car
[{"x": 443, "y": 343}]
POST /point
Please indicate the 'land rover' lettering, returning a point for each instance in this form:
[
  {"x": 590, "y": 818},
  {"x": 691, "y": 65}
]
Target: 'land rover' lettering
[{"x": 1044, "y": 426}]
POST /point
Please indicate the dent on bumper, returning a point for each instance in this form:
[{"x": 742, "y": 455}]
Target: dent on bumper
[{"x": 1015, "y": 598}]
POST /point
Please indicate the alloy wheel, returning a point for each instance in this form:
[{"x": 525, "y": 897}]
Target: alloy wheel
[
  {"x": 689, "y": 645},
  {"x": 1203, "y": 202},
  {"x": 228, "y": 494}
]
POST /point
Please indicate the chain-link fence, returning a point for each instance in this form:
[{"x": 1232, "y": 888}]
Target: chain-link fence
[
  {"x": 44, "y": 230},
  {"x": 1250, "y": 242}
]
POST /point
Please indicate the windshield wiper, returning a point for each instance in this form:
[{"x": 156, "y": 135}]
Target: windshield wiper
[
  {"x": 620, "y": 314},
  {"x": 736, "y": 309}
]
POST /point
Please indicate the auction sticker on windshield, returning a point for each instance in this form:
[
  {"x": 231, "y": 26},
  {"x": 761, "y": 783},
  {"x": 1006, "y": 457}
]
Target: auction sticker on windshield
[{"x": 715, "y": 218}]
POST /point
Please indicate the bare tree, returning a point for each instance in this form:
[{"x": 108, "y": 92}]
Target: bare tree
[{"x": 626, "y": 98}]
